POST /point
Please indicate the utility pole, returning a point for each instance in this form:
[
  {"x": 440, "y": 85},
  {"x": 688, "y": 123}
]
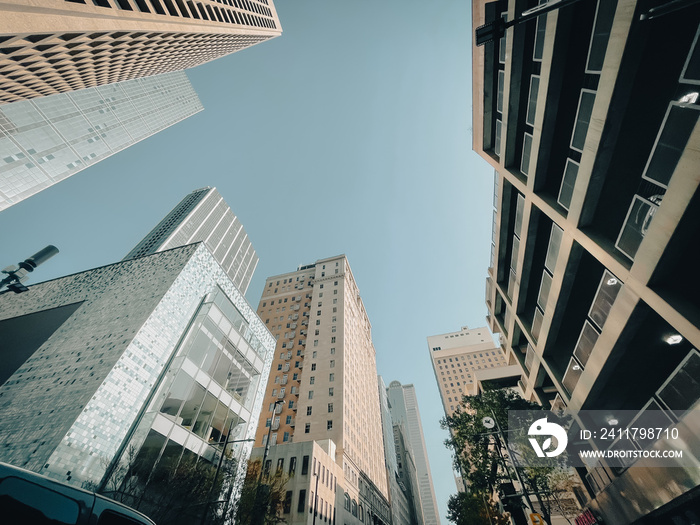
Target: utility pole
[{"x": 259, "y": 518}]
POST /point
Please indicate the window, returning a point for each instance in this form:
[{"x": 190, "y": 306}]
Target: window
[
  {"x": 330, "y": 407},
  {"x": 501, "y": 87},
  {"x": 287, "y": 507},
  {"x": 313, "y": 354},
  {"x": 331, "y": 377},
  {"x": 313, "y": 366},
  {"x": 307, "y": 428},
  {"x": 332, "y": 351},
  {"x": 566, "y": 191},
  {"x": 332, "y": 363},
  {"x": 312, "y": 380},
  {"x": 49, "y": 507},
  {"x": 497, "y": 139},
  {"x": 333, "y": 339},
  {"x": 329, "y": 424},
  {"x": 304, "y": 465},
  {"x": 583, "y": 118},
  {"x": 302, "y": 499},
  {"x": 532, "y": 101},
  {"x": 311, "y": 394},
  {"x": 308, "y": 411},
  {"x": 330, "y": 391},
  {"x": 527, "y": 151},
  {"x": 288, "y": 420},
  {"x": 608, "y": 289}
]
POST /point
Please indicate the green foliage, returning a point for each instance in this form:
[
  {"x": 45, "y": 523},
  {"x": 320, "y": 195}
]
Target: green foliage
[
  {"x": 473, "y": 445},
  {"x": 483, "y": 456},
  {"x": 474, "y": 509},
  {"x": 267, "y": 500}
]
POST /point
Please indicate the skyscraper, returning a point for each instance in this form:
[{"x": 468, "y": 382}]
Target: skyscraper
[
  {"x": 457, "y": 357},
  {"x": 203, "y": 215},
  {"x": 144, "y": 361},
  {"x": 589, "y": 116},
  {"x": 404, "y": 412},
  {"x": 401, "y": 484},
  {"x": 63, "y": 45},
  {"x": 324, "y": 377},
  {"x": 46, "y": 140}
]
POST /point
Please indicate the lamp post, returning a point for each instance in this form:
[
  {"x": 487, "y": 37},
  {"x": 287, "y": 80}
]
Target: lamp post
[
  {"x": 218, "y": 466},
  {"x": 18, "y": 273},
  {"x": 261, "y": 518},
  {"x": 267, "y": 445},
  {"x": 316, "y": 496}
]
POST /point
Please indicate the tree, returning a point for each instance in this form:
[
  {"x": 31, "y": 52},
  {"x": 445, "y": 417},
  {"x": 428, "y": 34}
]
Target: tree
[
  {"x": 172, "y": 492},
  {"x": 474, "y": 509},
  {"x": 483, "y": 455},
  {"x": 267, "y": 498}
]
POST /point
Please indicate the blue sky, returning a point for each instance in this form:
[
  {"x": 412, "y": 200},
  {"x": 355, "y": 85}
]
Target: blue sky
[{"x": 350, "y": 134}]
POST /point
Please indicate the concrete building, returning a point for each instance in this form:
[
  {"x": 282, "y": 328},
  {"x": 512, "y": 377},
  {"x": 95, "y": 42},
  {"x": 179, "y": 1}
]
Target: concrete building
[
  {"x": 203, "y": 215},
  {"x": 400, "y": 490},
  {"x": 325, "y": 375},
  {"x": 159, "y": 357},
  {"x": 456, "y": 358},
  {"x": 61, "y": 45},
  {"x": 588, "y": 116},
  {"x": 403, "y": 406},
  {"x": 46, "y": 140}
]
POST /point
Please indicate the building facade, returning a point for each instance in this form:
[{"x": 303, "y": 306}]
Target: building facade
[
  {"x": 147, "y": 362},
  {"x": 400, "y": 488},
  {"x": 64, "y": 45},
  {"x": 588, "y": 115},
  {"x": 456, "y": 358},
  {"x": 46, "y": 140},
  {"x": 323, "y": 386},
  {"x": 204, "y": 216},
  {"x": 403, "y": 406}
]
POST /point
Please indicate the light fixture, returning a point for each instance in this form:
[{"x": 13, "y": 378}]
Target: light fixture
[
  {"x": 612, "y": 421},
  {"x": 689, "y": 98},
  {"x": 576, "y": 367},
  {"x": 673, "y": 339},
  {"x": 611, "y": 282}
]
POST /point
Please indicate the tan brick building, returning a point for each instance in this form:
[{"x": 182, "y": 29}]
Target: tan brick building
[{"x": 324, "y": 376}]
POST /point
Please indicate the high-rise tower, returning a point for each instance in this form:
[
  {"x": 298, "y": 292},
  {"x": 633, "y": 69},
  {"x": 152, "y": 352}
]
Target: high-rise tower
[
  {"x": 48, "y": 139},
  {"x": 589, "y": 116},
  {"x": 203, "y": 215},
  {"x": 324, "y": 379},
  {"x": 457, "y": 357},
  {"x": 404, "y": 412},
  {"x": 64, "y": 45}
]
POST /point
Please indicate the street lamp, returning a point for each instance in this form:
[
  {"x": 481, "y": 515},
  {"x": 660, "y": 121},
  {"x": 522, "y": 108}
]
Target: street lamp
[
  {"x": 316, "y": 496},
  {"x": 218, "y": 466},
  {"x": 267, "y": 445},
  {"x": 261, "y": 518},
  {"x": 18, "y": 273}
]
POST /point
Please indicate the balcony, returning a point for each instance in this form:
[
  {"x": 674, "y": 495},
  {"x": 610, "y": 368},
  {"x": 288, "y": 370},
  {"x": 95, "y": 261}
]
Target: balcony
[
  {"x": 275, "y": 425},
  {"x": 284, "y": 381},
  {"x": 281, "y": 394},
  {"x": 302, "y": 342},
  {"x": 295, "y": 317},
  {"x": 278, "y": 409},
  {"x": 292, "y": 422}
]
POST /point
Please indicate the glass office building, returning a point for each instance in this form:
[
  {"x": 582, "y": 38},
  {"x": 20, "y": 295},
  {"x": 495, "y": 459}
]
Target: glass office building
[
  {"x": 45, "y": 140},
  {"x": 160, "y": 356}
]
